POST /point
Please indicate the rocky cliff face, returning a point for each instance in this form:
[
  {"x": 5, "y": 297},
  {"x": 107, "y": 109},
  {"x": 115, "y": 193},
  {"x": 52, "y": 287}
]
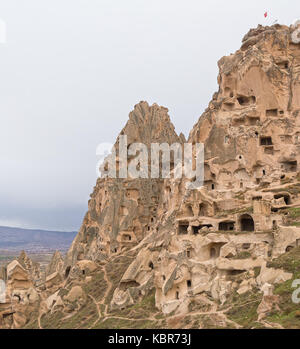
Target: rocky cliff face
[
  {"x": 152, "y": 253},
  {"x": 122, "y": 211}
]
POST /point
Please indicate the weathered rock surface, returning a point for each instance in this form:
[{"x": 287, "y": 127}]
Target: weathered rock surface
[
  {"x": 197, "y": 250},
  {"x": 56, "y": 264}
]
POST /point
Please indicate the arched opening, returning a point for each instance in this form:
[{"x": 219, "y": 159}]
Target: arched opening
[
  {"x": 177, "y": 295},
  {"x": 289, "y": 248},
  {"x": 123, "y": 211},
  {"x": 228, "y": 91},
  {"x": 18, "y": 297},
  {"x": 189, "y": 283},
  {"x": 67, "y": 271},
  {"x": 189, "y": 211},
  {"x": 247, "y": 223},
  {"x": 214, "y": 249},
  {"x": 213, "y": 253},
  {"x": 126, "y": 237},
  {"x": 203, "y": 210}
]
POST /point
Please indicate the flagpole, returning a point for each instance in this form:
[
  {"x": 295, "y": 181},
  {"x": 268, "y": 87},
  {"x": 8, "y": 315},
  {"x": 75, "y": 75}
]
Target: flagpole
[{"x": 266, "y": 14}]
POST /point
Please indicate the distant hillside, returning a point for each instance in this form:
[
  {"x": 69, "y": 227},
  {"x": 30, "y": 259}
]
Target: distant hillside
[{"x": 15, "y": 239}]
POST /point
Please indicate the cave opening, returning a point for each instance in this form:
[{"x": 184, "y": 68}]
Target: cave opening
[
  {"x": 247, "y": 223},
  {"x": 226, "y": 226},
  {"x": 183, "y": 228}
]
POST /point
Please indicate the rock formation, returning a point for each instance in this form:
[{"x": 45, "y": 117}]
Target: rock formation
[
  {"x": 22, "y": 299},
  {"x": 56, "y": 264},
  {"x": 122, "y": 211},
  {"x": 195, "y": 251}
]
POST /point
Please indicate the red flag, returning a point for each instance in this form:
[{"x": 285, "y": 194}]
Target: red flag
[{"x": 266, "y": 14}]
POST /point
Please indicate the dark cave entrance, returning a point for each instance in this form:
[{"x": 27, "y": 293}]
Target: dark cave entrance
[{"x": 247, "y": 223}]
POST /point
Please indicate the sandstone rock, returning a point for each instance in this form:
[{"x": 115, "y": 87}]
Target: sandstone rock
[
  {"x": 33, "y": 268},
  {"x": 273, "y": 276},
  {"x": 134, "y": 201},
  {"x": 87, "y": 266},
  {"x": 53, "y": 301},
  {"x": 17, "y": 276},
  {"x": 213, "y": 240},
  {"x": 267, "y": 304},
  {"x": 246, "y": 285},
  {"x": 56, "y": 264},
  {"x": 267, "y": 289},
  {"x": 53, "y": 280},
  {"x": 75, "y": 294}
]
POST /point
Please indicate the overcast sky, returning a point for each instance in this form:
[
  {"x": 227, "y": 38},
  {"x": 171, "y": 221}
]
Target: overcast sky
[{"x": 72, "y": 70}]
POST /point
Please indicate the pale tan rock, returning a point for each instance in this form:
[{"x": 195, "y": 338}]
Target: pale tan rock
[
  {"x": 53, "y": 280},
  {"x": 246, "y": 285},
  {"x": 87, "y": 265},
  {"x": 32, "y": 267},
  {"x": 211, "y": 241},
  {"x": 18, "y": 277},
  {"x": 76, "y": 293},
  {"x": 52, "y": 300},
  {"x": 88, "y": 279},
  {"x": 272, "y": 276},
  {"x": 267, "y": 304},
  {"x": 19, "y": 320},
  {"x": 267, "y": 289},
  {"x": 56, "y": 264}
]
